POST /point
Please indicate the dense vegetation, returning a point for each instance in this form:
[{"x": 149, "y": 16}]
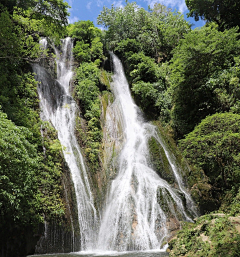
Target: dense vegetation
[
  {"x": 186, "y": 79},
  {"x": 224, "y": 13},
  {"x": 30, "y": 178},
  {"x": 212, "y": 235},
  {"x": 88, "y": 51}
]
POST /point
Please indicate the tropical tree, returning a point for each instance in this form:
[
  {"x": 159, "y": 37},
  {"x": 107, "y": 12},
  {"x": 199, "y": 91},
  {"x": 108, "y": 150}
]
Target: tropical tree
[
  {"x": 88, "y": 45},
  {"x": 158, "y": 30},
  {"x": 197, "y": 59},
  {"x": 226, "y": 13}
]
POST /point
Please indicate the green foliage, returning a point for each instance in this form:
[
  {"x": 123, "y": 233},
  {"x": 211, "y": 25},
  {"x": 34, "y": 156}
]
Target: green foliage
[
  {"x": 154, "y": 98},
  {"x": 30, "y": 182},
  {"x": 82, "y": 52},
  {"x": 127, "y": 47},
  {"x": 84, "y": 30},
  {"x": 225, "y": 12},
  {"x": 18, "y": 168},
  {"x": 48, "y": 17},
  {"x": 87, "y": 91},
  {"x": 87, "y": 77},
  {"x": 143, "y": 68},
  {"x": 235, "y": 205},
  {"x": 143, "y": 49},
  {"x": 226, "y": 88},
  {"x": 50, "y": 173},
  {"x": 20, "y": 102},
  {"x": 91, "y": 135},
  {"x": 122, "y": 23},
  {"x": 211, "y": 235},
  {"x": 231, "y": 203},
  {"x": 156, "y": 31},
  {"x": 199, "y": 57},
  {"x": 88, "y": 41},
  {"x": 171, "y": 27},
  {"x": 213, "y": 146}
]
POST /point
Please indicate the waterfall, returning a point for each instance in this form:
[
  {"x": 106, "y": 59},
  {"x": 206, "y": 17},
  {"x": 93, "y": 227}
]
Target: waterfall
[
  {"x": 140, "y": 205},
  {"x": 58, "y": 107},
  {"x": 141, "y": 208}
]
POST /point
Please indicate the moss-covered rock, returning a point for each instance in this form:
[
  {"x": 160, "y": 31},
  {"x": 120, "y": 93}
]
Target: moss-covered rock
[
  {"x": 212, "y": 235},
  {"x": 159, "y": 161}
]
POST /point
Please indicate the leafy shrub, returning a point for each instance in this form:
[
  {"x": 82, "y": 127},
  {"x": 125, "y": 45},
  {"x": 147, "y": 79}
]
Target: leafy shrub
[
  {"x": 211, "y": 235},
  {"x": 214, "y": 146},
  {"x": 201, "y": 54},
  {"x": 18, "y": 169}
]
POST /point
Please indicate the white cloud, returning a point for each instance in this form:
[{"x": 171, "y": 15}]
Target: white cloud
[
  {"x": 99, "y": 3},
  {"x": 180, "y": 5},
  {"x": 72, "y": 20},
  {"x": 89, "y": 5},
  {"x": 102, "y": 28},
  {"x": 118, "y": 4}
]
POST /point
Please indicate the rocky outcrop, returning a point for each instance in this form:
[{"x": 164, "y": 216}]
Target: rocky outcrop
[{"x": 212, "y": 235}]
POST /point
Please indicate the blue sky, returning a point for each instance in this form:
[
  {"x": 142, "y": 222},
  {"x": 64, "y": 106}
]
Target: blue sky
[{"x": 90, "y": 9}]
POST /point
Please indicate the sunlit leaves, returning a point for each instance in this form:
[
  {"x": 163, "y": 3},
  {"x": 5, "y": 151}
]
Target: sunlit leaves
[
  {"x": 214, "y": 145},
  {"x": 29, "y": 183},
  {"x": 18, "y": 168},
  {"x": 157, "y": 31},
  {"x": 88, "y": 42},
  {"x": 203, "y": 53},
  {"x": 225, "y": 12}
]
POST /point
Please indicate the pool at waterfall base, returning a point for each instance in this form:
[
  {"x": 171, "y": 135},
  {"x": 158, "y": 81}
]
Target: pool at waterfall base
[{"x": 152, "y": 253}]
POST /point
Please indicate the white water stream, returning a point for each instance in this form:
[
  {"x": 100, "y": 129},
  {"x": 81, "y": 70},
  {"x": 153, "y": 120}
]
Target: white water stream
[
  {"x": 140, "y": 205},
  {"x": 59, "y": 108}
]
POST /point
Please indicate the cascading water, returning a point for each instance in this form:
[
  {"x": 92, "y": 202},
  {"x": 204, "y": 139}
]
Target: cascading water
[
  {"x": 140, "y": 205},
  {"x": 58, "y": 107}
]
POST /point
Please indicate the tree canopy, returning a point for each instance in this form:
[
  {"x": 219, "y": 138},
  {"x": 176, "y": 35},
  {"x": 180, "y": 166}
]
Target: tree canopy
[
  {"x": 158, "y": 30},
  {"x": 201, "y": 55},
  {"x": 226, "y": 13},
  {"x": 214, "y": 146}
]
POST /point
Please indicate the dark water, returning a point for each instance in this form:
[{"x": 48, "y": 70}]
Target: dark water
[{"x": 106, "y": 254}]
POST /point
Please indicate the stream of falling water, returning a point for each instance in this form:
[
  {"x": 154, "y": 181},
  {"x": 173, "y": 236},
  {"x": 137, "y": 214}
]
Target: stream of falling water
[
  {"x": 58, "y": 107},
  {"x": 140, "y": 204}
]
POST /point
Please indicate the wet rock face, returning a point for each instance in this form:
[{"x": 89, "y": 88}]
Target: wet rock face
[
  {"x": 207, "y": 198},
  {"x": 173, "y": 225},
  {"x": 57, "y": 239},
  {"x": 113, "y": 139},
  {"x": 159, "y": 161},
  {"x": 54, "y": 92}
]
